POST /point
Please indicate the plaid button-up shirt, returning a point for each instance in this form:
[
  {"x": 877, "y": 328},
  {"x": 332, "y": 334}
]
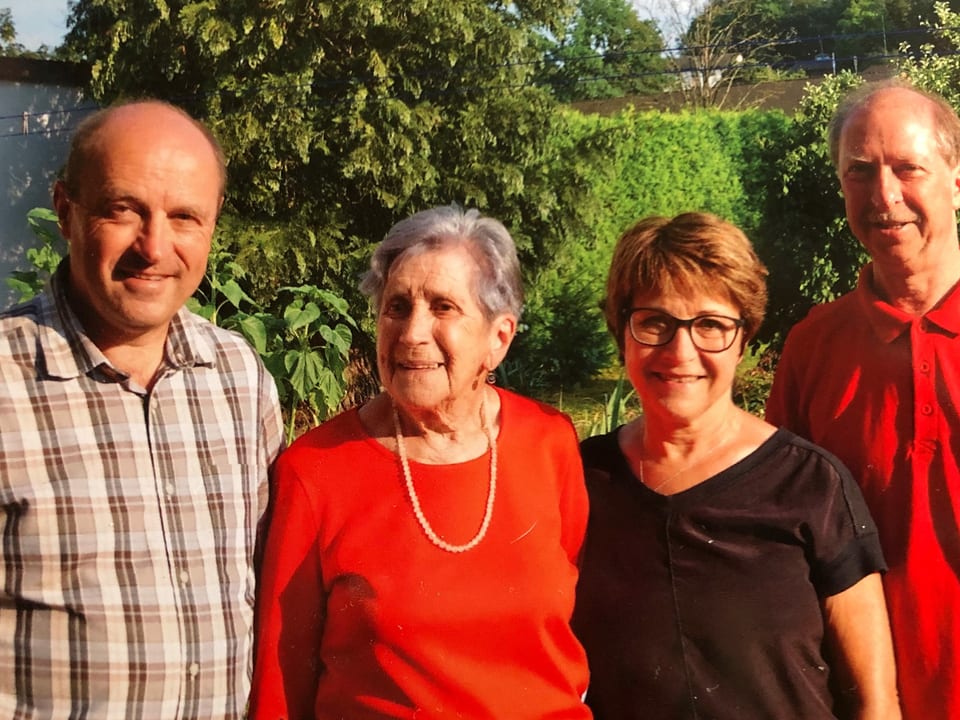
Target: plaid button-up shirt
[{"x": 129, "y": 520}]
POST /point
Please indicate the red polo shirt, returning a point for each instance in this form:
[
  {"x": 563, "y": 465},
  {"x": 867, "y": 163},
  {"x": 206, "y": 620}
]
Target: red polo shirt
[{"x": 881, "y": 390}]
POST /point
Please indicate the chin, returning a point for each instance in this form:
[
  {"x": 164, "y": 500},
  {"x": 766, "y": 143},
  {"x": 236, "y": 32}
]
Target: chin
[{"x": 420, "y": 398}]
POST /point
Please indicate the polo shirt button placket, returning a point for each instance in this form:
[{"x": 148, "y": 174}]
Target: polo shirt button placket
[{"x": 925, "y": 396}]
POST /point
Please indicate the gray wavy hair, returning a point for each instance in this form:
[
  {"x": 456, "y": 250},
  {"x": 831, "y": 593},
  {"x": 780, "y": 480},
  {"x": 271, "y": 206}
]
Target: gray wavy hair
[{"x": 498, "y": 286}]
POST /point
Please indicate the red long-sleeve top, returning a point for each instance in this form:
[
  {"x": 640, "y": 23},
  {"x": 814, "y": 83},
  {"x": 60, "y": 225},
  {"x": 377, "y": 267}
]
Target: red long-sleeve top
[{"x": 361, "y": 616}]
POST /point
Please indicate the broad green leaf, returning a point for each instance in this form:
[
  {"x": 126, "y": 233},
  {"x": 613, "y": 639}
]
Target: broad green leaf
[
  {"x": 299, "y": 317},
  {"x": 255, "y": 331}
]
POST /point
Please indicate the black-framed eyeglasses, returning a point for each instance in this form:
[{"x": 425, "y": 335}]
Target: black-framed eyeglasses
[{"x": 709, "y": 333}]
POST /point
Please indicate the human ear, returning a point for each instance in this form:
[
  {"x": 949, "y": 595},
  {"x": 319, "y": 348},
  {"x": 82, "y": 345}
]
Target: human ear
[
  {"x": 63, "y": 207},
  {"x": 502, "y": 331},
  {"x": 956, "y": 187}
]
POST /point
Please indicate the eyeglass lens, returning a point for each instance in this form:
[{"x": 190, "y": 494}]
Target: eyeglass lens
[{"x": 711, "y": 333}]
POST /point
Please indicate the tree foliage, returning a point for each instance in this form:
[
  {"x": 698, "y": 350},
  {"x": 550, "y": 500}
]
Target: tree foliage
[
  {"x": 804, "y": 239},
  {"x": 10, "y": 45},
  {"x": 342, "y": 117},
  {"x": 606, "y": 51},
  {"x": 8, "y": 32},
  {"x": 797, "y": 31},
  {"x": 932, "y": 69},
  {"x": 720, "y": 43}
]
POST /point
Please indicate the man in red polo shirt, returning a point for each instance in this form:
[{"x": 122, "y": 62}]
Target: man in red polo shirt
[{"x": 875, "y": 375}]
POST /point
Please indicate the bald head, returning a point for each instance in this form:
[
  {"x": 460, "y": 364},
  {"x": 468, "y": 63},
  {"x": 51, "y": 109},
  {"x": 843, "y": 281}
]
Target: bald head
[
  {"x": 135, "y": 122},
  {"x": 945, "y": 124}
]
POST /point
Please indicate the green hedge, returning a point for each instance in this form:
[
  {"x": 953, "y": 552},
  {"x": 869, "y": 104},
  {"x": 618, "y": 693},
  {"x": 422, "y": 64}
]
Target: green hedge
[{"x": 656, "y": 164}]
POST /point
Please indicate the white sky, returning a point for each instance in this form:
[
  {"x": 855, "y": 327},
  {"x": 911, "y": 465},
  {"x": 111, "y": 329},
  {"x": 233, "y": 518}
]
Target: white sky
[{"x": 38, "y": 22}]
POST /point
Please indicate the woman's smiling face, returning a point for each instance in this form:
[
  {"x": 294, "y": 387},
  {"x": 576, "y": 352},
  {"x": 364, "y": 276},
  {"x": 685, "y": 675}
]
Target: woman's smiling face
[
  {"x": 676, "y": 379},
  {"x": 435, "y": 345}
]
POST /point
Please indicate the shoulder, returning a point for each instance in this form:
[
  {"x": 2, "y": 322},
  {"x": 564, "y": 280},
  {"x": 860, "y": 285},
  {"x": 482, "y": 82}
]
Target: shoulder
[
  {"x": 29, "y": 314},
  {"x": 811, "y": 471},
  {"x": 216, "y": 336},
  {"x": 532, "y": 414},
  {"x": 603, "y": 460},
  {"x": 843, "y": 311},
  {"x": 22, "y": 319},
  {"x": 335, "y": 458},
  {"x": 794, "y": 453},
  {"x": 27, "y": 326},
  {"x": 341, "y": 435},
  {"x": 27, "y": 309}
]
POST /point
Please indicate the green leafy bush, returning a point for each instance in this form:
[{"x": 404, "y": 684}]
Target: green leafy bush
[
  {"x": 44, "y": 259},
  {"x": 803, "y": 238},
  {"x": 303, "y": 333},
  {"x": 937, "y": 68},
  {"x": 562, "y": 339}
]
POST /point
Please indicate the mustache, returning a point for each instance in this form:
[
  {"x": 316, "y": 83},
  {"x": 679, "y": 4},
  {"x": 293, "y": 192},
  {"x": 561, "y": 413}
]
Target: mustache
[{"x": 890, "y": 219}]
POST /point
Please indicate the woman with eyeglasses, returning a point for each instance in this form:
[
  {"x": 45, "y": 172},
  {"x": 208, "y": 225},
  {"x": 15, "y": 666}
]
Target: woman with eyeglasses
[{"x": 731, "y": 569}]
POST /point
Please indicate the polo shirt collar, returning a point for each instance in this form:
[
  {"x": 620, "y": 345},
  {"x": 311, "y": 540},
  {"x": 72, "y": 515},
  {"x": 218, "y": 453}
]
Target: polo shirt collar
[
  {"x": 889, "y": 322},
  {"x": 65, "y": 351}
]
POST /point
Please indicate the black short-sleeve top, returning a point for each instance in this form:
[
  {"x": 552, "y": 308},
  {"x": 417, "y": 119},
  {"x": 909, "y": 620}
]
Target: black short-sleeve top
[{"x": 707, "y": 603}]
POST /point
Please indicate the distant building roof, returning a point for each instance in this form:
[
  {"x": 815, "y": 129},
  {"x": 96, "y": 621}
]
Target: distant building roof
[{"x": 43, "y": 72}]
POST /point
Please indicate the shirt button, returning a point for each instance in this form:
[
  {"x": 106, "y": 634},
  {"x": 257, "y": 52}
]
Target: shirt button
[
  {"x": 194, "y": 670},
  {"x": 927, "y": 409},
  {"x": 170, "y": 489},
  {"x": 184, "y": 577},
  {"x": 924, "y": 367}
]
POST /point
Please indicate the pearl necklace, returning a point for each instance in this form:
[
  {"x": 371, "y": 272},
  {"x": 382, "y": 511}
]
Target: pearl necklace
[{"x": 415, "y": 500}]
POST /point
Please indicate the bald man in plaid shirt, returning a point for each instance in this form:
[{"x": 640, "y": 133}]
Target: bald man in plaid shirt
[{"x": 135, "y": 445}]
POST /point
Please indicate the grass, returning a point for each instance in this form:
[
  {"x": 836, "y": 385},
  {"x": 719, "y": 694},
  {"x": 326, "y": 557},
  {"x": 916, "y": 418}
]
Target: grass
[{"x": 589, "y": 404}]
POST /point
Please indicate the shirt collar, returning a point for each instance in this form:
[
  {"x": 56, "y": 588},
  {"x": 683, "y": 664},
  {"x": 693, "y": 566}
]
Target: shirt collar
[
  {"x": 889, "y": 322},
  {"x": 66, "y": 352}
]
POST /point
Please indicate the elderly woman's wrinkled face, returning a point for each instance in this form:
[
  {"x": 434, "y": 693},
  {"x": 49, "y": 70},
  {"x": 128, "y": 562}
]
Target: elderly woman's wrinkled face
[
  {"x": 434, "y": 344},
  {"x": 682, "y": 378}
]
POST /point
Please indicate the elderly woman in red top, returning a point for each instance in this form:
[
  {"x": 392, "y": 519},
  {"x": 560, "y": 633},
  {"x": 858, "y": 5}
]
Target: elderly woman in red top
[{"x": 420, "y": 557}]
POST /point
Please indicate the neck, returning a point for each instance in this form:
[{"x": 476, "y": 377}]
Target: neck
[
  {"x": 441, "y": 438},
  {"x": 442, "y": 422},
  {"x": 916, "y": 291},
  {"x": 137, "y": 354},
  {"x": 682, "y": 443},
  {"x": 669, "y": 458},
  {"x": 140, "y": 359}
]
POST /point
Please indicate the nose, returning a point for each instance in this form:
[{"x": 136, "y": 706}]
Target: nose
[
  {"x": 886, "y": 189},
  {"x": 154, "y": 238},
  {"x": 417, "y": 325},
  {"x": 681, "y": 344}
]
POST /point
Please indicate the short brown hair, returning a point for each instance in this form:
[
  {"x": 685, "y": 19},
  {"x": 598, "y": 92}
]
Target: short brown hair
[{"x": 690, "y": 253}]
